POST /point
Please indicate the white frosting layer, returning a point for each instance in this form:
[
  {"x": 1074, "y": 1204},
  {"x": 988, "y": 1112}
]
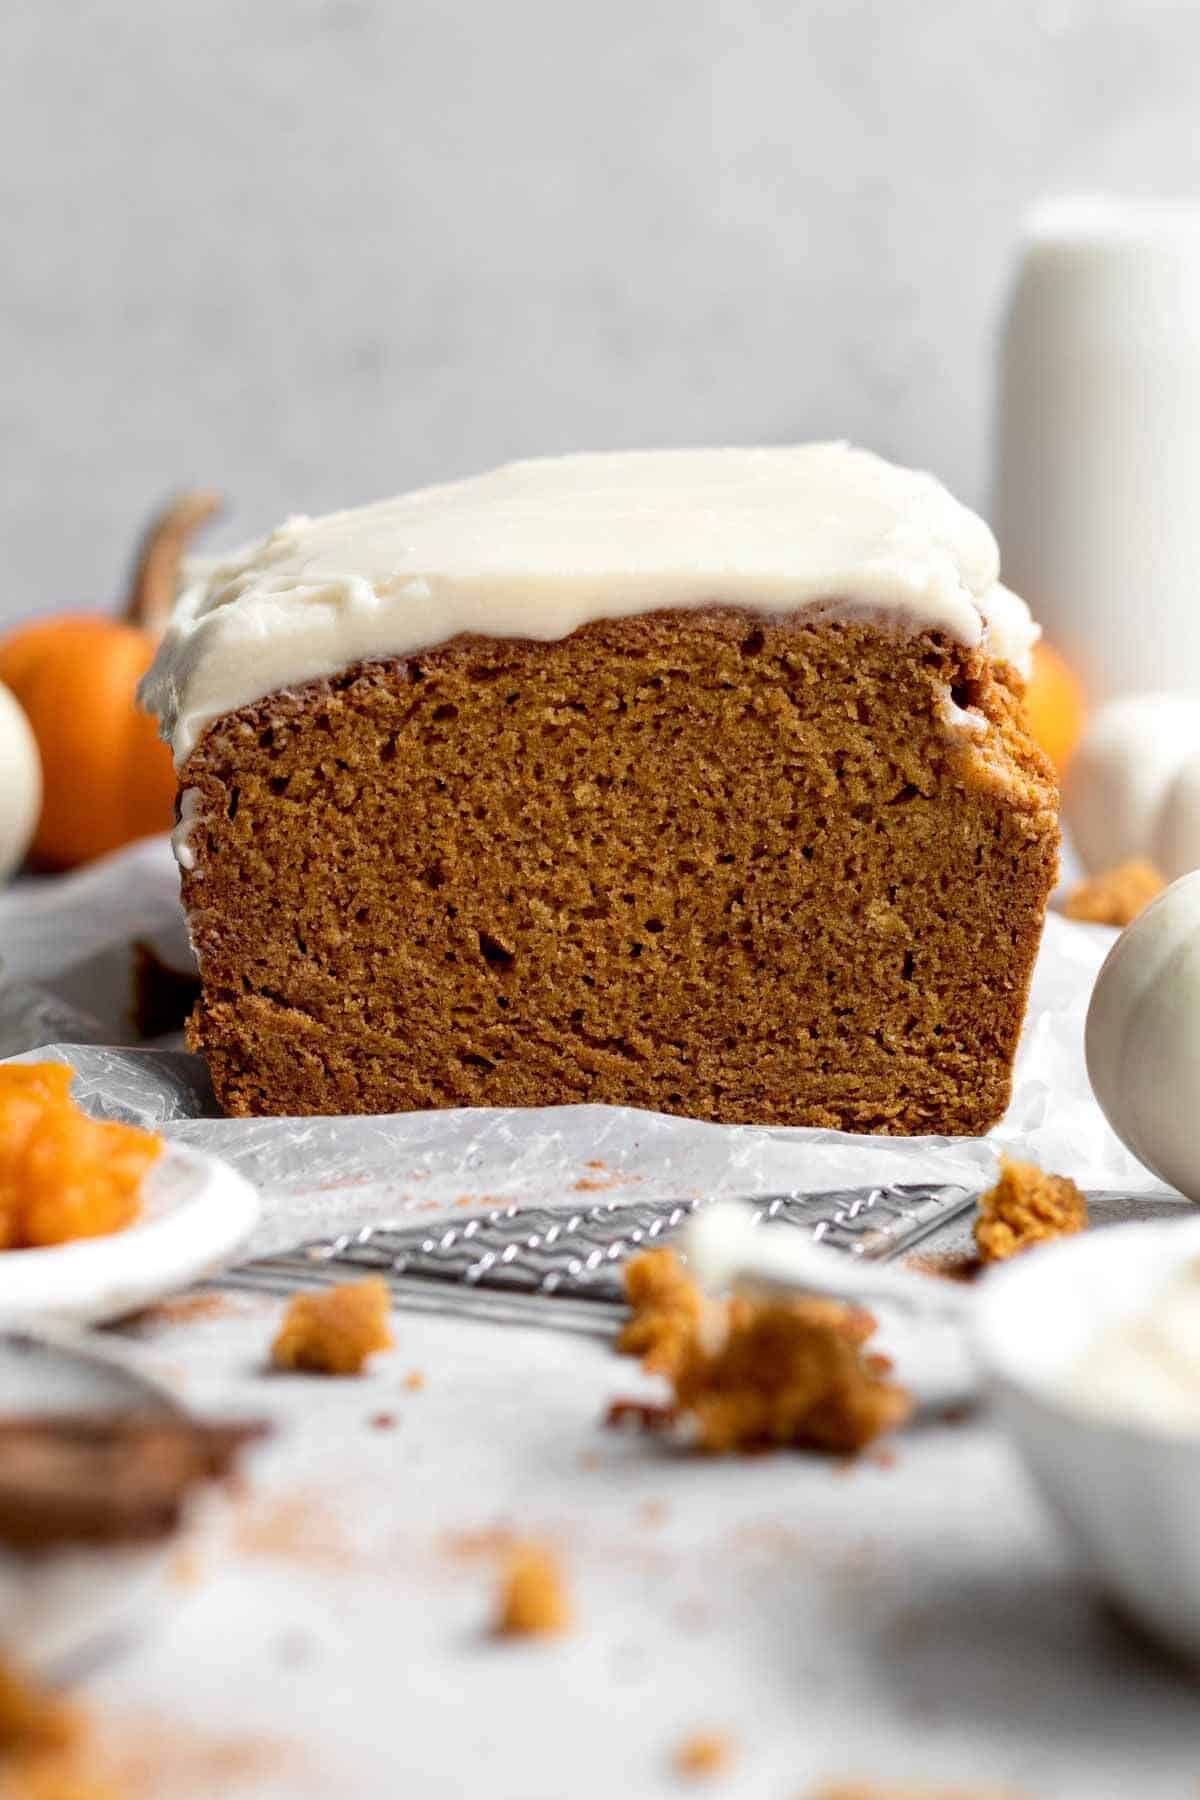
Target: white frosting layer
[{"x": 536, "y": 549}]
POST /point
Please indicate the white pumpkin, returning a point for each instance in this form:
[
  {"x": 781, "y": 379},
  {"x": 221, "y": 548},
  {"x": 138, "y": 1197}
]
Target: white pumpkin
[
  {"x": 1133, "y": 785},
  {"x": 1143, "y": 1036},
  {"x": 20, "y": 784}
]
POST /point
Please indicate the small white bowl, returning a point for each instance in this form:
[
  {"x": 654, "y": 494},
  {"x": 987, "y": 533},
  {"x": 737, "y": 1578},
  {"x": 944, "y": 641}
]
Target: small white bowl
[
  {"x": 1129, "y": 1495},
  {"x": 197, "y": 1214}
]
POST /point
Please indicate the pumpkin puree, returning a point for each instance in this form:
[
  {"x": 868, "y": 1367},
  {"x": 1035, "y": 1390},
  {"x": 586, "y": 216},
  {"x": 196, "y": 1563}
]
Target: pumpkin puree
[{"x": 63, "y": 1175}]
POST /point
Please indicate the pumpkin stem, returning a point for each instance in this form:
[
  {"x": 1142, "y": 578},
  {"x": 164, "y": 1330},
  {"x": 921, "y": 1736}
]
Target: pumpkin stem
[{"x": 156, "y": 572}]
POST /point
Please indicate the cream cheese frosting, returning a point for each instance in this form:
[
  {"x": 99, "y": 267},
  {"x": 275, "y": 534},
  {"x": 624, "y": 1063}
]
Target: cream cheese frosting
[
  {"x": 536, "y": 549},
  {"x": 1146, "y": 1369}
]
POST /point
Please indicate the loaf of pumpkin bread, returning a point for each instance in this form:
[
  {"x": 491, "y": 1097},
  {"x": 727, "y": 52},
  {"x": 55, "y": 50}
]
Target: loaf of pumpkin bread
[{"x": 695, "y": 781}]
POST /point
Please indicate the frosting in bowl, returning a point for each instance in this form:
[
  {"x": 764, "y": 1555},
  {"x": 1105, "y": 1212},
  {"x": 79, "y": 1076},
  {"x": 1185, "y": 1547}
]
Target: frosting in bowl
[{"x": 1145, "y": 1370}]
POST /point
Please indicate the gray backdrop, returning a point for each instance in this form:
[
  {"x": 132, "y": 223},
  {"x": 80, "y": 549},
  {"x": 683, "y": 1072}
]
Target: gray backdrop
[{"x": 317, "y": 250}]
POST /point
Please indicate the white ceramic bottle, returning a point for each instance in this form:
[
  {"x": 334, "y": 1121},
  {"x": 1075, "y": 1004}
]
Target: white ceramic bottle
[{"x": 1097, "y": 503}]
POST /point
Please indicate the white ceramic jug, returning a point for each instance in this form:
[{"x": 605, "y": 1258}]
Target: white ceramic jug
[{"x": 1097, "y": 503}]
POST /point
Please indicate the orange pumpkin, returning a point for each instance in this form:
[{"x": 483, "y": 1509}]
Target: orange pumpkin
[
  {"x": 107, "y": 779},
  {"x": 1055, "y": 705}
]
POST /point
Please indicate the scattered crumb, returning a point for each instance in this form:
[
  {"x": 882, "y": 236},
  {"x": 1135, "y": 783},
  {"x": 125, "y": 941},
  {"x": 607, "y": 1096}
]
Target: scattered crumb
[
  {"x": 753, "y": 1374},
  {"x": 292, "y": 1528},
  {"x": 187, "y": 1569},
  {"x": 383, "y": 1421},
  {"x": 773, "y": 1537},
  {"x": 1026, "y": 1207},
  {"x": 702, "y": 1754},
  {"x": 533, "y": 1599},
  {"x": 953, "y": 1265},
  {"x": 333, "y": 1333},
  {"x": 1117, "y": 896},
  {"x": 155, "y": 1758},
  {"x": 33, "y": 1721},
  {"x": 653, "y": 1512},
  {"x": 50, "y": 1751},
  {"x": 185, "y": 1309},
  {"x": 959, "y": 1412},
  {"x": 594, "y": 1162},
  {"x": 667, "y": 1308},
  {"x": 484, "y": 1540},
  {"x": 642, "y": 1413},
  {"x": 589, "y": 1459},
  {"x": 588, "y": 1185},
  {"x": 414, "y": 1381}
]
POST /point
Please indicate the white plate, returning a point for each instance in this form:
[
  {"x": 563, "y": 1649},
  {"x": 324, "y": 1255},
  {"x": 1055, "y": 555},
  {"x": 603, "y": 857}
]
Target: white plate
[
  {"x": 61, "y": 1609},
  {"x": 197, "y": 1212}
]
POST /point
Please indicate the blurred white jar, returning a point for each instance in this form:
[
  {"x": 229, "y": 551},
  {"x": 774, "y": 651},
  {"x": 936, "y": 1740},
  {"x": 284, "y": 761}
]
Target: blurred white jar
[{"x": 1097, "y": 504}]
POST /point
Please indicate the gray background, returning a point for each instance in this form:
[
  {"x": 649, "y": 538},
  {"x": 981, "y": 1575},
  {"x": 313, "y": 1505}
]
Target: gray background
[{"x": 317, "y": 250}]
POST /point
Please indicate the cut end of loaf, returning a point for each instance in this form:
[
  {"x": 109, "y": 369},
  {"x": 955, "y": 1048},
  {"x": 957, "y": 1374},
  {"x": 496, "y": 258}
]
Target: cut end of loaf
[{"x": 776, "y": 871}]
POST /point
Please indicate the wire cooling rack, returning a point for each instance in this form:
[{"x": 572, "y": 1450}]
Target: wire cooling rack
[{"x": 551, "y": 1266}]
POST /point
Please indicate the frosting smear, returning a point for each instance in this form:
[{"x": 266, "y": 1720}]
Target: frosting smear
[{"x": 536, "y": 549}]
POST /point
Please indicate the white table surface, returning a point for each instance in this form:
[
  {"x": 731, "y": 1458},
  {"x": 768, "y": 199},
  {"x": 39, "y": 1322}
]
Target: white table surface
[{"x": 913, "y": 1622}]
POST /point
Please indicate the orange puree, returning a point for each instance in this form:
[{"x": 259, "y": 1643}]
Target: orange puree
[{"x": 63, "y": 1175}]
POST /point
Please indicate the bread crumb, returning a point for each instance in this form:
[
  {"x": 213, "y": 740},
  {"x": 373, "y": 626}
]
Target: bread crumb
[
  {"x": 702, "y": 1754},
  {"x": 645, "y": 1414},
  {"x": 414, "y": 1381},
  {"x": 950, "y": 1265},
  {"x": 383, "y": 1421},
  {"x": 533, "y": 1597},
  {"x": 334, "y": 1333},
  {"x": 33, "y": 1721},
  {"x": 1026, "y": 1207},
  {"x": 666, "y": 1307},
  {"x": 1117, "y": 896},
  {"x": 42, "y": 1742},
  {"x": 470, "y": 1544},
  {"x": 758, "y": 1373}
]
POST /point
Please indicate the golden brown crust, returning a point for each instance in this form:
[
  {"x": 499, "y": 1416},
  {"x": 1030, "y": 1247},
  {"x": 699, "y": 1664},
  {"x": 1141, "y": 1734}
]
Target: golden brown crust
[{"x": 712, "y": 864}]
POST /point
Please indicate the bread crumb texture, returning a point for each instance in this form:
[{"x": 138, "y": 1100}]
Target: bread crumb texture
[
  {"x": 780, "y": 871},
  {"x": 752, "y": 1374},
  {"x": 533, "y": 1598},
  {"x": 334, "y": 1333},
  {"x": 1117, "y": 896},
  {"x": 1026, "y": 1207}
]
